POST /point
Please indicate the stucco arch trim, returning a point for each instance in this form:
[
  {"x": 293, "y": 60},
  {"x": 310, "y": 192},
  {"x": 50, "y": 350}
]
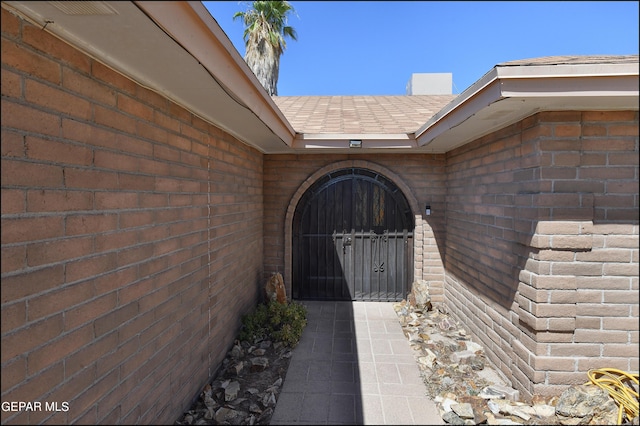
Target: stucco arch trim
[{"x": 362, "y": 164}]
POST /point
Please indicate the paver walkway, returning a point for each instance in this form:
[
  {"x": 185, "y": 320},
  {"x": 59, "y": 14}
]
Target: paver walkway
[{"x": 353, "y": 365}]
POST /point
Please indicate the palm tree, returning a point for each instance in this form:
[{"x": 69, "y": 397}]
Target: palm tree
[{"x": 264, "y": 38}]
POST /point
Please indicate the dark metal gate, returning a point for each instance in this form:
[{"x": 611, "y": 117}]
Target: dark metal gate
[{"x": 352, "y": 239}]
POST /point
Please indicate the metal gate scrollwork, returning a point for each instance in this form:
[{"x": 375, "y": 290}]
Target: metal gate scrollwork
[
  {"x": 351, "y": 233},
  {"x": 377, "y": 241}
]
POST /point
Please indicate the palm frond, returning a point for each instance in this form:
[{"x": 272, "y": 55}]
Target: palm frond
[{"x": 265, "y": 36}]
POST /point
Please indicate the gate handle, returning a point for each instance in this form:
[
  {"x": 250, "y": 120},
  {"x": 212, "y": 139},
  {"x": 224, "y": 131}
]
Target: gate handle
[{"x": 346, "y": 241}]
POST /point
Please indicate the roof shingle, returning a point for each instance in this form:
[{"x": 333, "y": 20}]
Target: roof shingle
[
  {"x": 572, "y": 60},
  {"x": 360, "y": 114}
]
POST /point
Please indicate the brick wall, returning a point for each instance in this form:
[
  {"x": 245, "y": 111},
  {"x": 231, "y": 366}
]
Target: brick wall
[
  {"x": 542, "y": 246},
  {"x": 421, "y": 178},
  {"x": 123, "y": 220}
]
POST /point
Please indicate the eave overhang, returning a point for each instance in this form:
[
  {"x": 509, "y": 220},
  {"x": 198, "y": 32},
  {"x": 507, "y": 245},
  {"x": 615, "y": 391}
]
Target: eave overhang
[
  {"x": 174, "y": 48},
  {"x": 508, "y": 94}
]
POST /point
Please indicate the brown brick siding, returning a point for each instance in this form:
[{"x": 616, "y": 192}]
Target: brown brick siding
[
  {"x": 123, "y": 220},
  {"x": 542, "y": 245},
  {"x": 134, "y": 235}
]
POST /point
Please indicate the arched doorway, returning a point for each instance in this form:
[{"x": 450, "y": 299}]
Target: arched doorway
[{"x": 352, "y": 239}]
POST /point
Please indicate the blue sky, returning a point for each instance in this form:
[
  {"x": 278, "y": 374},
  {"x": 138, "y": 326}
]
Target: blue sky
[{"x": 373, "y": 47}]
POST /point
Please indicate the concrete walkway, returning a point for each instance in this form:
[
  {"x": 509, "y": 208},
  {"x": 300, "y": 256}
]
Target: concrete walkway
[{"x": 353, "y": 365}]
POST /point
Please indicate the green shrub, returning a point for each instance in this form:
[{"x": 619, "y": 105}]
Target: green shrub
[{"x": 282, "y": 322}]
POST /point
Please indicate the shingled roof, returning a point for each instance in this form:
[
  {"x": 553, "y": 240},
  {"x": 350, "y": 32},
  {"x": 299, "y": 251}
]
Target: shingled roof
[
  {"x": 360, "y": 114},
  {"x": 396, "y": 114},
  {"x": 575, "y": 59}
]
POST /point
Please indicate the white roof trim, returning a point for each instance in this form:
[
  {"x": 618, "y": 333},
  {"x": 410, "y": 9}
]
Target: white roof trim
[{"x": 337, "y": 141}]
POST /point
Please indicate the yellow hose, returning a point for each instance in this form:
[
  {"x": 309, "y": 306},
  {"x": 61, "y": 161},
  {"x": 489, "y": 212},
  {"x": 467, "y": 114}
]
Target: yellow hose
[{"x": 617, "y": 384}]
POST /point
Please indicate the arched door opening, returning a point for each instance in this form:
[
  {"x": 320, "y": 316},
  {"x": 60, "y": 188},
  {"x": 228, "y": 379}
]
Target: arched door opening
[{"x": 352, "y": 239}]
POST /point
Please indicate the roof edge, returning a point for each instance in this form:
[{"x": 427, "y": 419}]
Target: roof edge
[
  {"x": 483, "y": 91},
  {"x": 604, "y": 85},
  {"x": 354, "y": 141}
]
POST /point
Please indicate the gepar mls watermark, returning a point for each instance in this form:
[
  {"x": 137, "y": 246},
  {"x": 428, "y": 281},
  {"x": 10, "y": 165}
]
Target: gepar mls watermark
[{"x": 15, "y": 406}]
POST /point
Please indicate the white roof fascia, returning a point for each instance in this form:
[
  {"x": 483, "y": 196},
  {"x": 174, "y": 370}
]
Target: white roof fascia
[
  {"x": 568, "y": 70},
  {"x": 569, "y": 80},
  {"x": 340, "y": 141}
]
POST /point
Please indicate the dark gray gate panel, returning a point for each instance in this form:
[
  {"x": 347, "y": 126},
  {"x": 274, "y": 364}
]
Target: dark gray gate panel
[
  {"x": 352, "y": 239},
  {"x": 380, "y": 266}
]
